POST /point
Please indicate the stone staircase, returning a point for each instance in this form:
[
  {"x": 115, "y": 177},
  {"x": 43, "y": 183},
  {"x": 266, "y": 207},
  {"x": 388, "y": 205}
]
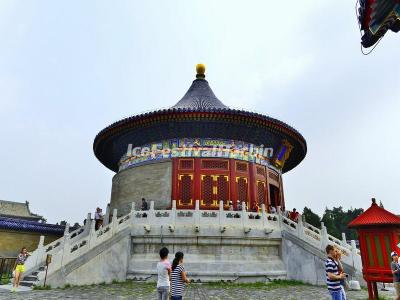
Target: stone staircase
[{"x": 32, "y": 279}]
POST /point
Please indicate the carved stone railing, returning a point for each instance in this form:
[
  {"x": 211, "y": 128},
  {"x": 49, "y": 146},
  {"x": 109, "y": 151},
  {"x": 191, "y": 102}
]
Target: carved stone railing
[
  {"x": 176, "y": 217},
  {"x": 76, "y": 243},
  {"x": 320, "y": 239}
]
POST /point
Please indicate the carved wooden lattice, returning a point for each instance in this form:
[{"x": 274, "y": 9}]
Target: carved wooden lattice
[
  {"x": 214, "y": 164},
  {"x": 186, "y": 188},
  {"x": 186, "y": 164},
  {"x": 260, "y": 170},
  {"x": 242, "y": 189},
  {"x": 241, "y": 167},
  {"x": 222, "y": 189},
  {"x": 261, "y": 192},
  {"x": 273, "y": 176},
  {"x": 207, "y": 189}
]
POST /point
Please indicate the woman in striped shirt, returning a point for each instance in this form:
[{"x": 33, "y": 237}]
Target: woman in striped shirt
[{"x": 178, "y": 277}]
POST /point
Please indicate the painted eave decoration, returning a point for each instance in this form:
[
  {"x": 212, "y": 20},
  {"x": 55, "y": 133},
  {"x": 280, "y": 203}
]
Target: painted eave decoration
[{"x": 376, "y": 17}]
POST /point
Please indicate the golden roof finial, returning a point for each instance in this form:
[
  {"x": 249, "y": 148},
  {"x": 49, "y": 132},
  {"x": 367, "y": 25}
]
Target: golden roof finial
[{"x": 200, "y": 69}]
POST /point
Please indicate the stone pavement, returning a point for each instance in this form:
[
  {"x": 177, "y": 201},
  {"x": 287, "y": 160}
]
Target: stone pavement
[{"x": 144, "y": 291}]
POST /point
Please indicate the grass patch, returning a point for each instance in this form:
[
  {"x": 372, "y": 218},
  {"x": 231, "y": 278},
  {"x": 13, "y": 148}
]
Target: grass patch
[
  {"x": 5, "y": 279},
  {"x": 42, "y": 288},
  {"x": 274, "y": 284}
]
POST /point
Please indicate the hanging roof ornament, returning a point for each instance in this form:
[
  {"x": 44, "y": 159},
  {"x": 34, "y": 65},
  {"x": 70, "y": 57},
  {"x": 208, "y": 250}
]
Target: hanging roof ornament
[{"x": 376, "y": 17}]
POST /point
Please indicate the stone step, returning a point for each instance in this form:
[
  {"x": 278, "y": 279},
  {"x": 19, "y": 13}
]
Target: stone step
[
  {"x": 151, "y": 276},
  {"x": 27, "y": 283},
  {"x": 30, "y": 278},
  {"x": 261, "y": 267}
]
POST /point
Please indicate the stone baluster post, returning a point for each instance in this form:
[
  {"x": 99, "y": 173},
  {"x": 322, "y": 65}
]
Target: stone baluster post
[
  {"x": 173, "y": 213},
  {"x": 39, "y": 252},
  {"x": 344, "y": 240},
  {"x": 88, "y": 223},
  {"x": 92, "y": 235},
  {"x": 300, "y": 228},
  {"x": 280, "y": 215},
  {"x": 354, "y": 255},
  {"x": 66, "y": 246},
  {"x": 197, "y": 213},
  {"x": 114, "y": 222},
  {"x": 324, "y": 236},
  {"x": 151, "y": 214},
  {"x": 221, "y": 213},
  {"x": 66, "y": 230},
  {"x": 264, "y": 215},
  {"x": 132, "y": 212},
  {"x": 106, "y": 218},
  {"x": 244, "y": 215}
]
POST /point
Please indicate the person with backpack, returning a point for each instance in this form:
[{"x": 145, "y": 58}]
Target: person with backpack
[{"x": 178, "y": 277}]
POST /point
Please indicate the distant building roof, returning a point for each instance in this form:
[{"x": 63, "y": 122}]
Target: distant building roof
[
  {"x": 30, "y": 226},
  {"x": 17, "y": 210},
  {"x": 375, "y": 216}
]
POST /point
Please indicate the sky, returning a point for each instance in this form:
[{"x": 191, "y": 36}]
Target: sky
[{"x": 70, "y": 68}]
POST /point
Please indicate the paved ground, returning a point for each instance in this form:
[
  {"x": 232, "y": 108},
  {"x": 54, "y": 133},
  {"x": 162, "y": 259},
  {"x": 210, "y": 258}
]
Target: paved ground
[{"x": 134, "y": 290}]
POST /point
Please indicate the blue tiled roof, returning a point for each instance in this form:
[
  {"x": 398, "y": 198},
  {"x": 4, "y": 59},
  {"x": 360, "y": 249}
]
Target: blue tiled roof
[{"x": 30, "y": 226}]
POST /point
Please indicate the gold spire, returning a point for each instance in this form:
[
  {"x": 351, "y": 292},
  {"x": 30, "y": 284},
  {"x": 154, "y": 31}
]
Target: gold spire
[{"x": 200, "y": 69}]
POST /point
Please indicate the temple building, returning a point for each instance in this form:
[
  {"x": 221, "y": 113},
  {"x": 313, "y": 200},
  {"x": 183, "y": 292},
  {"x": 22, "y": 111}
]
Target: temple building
[
  {"x": 19, "y": 227},
  {"x": 194, "y": 163},
  {"x": 199, "y": 149}
]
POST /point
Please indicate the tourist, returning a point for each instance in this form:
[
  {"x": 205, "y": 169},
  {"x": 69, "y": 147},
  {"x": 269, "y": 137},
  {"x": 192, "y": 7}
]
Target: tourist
[
  {"x": 396, "y": 273},
  {"x": 230, "y": 206},
  {"x": 98, "y": 218},
  {"x": 338, "y": 257},
  {"x": 255, "y": 207},
  {"x": 294, "y": 215},
  {"x": 272, "y": 209},
  {"x": 178, "y": 277},
  {"x": 144, "y": 204},
  {"x": 19, "y": 267},
  {"x": 333, "y": 277},
  {"x": 239, "y": 205},
  {"x": 164, "y": 274}
]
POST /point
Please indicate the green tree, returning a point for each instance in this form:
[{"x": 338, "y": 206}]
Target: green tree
[
  {"x": 329, "y": 218},
  {"x": 311, "y": 217},
  {"x": 337, "y": 220}
]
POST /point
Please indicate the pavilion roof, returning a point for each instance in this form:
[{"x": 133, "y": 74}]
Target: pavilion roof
[
  {"x": 30, "y": 226},
  {"x": 20, "y": 210},
  {"x": 375, "y": 216}
]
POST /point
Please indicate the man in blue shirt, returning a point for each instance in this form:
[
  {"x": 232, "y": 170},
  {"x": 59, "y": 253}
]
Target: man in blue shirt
[{"x": 333, "y": 277}]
